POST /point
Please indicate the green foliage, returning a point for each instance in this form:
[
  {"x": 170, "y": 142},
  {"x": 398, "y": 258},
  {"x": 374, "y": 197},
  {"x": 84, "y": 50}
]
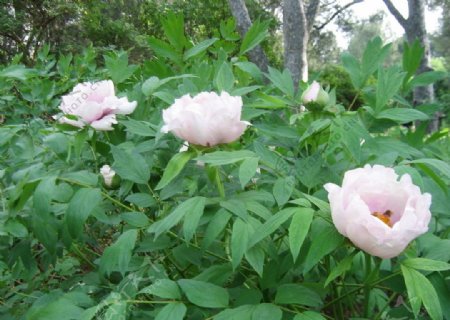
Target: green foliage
[{"x": 242, "y": 230}]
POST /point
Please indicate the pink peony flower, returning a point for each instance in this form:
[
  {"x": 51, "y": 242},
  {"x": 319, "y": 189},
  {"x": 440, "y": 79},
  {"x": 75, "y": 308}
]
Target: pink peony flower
[
  {"x": 108, "y": 175},
  {"x": 378, "y": 213},
  {"x": 94, "y": 104},
  {"x": 206, "y": 119}
]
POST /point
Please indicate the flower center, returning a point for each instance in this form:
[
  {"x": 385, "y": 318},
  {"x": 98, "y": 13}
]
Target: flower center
[{"x": 385, "y": 217}]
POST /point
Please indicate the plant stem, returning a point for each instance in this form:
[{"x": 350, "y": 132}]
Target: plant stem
[
  {"x": 219, "y": 183},
  {"x": 367, "y": 286}
]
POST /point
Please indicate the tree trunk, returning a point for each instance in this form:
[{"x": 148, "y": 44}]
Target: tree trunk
[
  {"x": 414, "y": 28},
  {"x": 240, "y": 13},
  {"x": 296, "y": 35}
]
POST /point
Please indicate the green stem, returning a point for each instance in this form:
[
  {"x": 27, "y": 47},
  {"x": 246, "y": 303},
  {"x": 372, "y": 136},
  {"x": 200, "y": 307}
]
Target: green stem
[
  {"x": 367, "y": 286},
  {"x": 219, "y": 183}
]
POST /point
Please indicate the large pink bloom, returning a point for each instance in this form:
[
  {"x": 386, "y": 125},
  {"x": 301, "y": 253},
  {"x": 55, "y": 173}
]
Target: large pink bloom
[
  {"x": 378, "y": 213},
  {"x": 206, "y": 119},
  {"x": 94, "y": 104}
]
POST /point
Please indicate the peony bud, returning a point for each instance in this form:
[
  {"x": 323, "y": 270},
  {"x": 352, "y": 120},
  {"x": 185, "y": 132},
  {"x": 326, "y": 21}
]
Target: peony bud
[
  {"x": 314, "y": 97},
  {"x": 109, "y": 176},
  {"x": 206, "y": 119},
  {"x": 94, "y": 104},
  {"x": 378, "y": 213}
]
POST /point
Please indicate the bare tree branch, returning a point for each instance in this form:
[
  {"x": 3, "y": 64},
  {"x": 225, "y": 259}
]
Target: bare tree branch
[
  {"x": 396, "y": 14},
  {"x": 334, "y": 15},
  {"x": 311, "y": 13},
  {"x": 240, "y": 13}
]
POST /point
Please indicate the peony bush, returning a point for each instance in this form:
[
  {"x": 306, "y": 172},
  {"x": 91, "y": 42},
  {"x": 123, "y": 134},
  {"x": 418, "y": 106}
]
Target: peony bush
[{"x": 150, "y": 196}]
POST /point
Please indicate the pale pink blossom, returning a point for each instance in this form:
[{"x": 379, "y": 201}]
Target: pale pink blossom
[
  {"x": 377, "y": 212},
  {"x": 206, "y": 119},
  {"x": 311, "y": 93},
  {"x": 94, "y": 104},
  {"x": 108, "y": 175}
]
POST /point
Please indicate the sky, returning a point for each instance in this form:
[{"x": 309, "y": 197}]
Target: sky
[{"x": 369, "y": 7}]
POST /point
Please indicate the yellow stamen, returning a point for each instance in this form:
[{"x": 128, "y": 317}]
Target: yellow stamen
[{"x": 385, "y": 217}]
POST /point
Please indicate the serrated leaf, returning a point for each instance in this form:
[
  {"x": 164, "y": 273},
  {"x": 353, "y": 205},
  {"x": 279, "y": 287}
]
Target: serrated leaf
[
  {"x": 80, "y": 208},
  {"x": 204, "y": 294},
  {"x": 298, "y": 229},
  {"x": 173, "y": 168}
]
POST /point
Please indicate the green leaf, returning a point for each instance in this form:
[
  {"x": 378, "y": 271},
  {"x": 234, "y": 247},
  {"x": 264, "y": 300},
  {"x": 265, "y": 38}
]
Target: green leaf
[
  {"x": 16, "y": 229},
  {"x": 143, "y": 200},
  {"x": 247, "y": 170},
  {"x": 254, "y": 36},
  {"x": 440, "y": 165},
  {"x": 130, "y": 165},
  {"x": 271, "y": 225},
  {"x": 267, "y": 311},
  {"x": 339, "y": 269},
  {"x": 298, "y": 229},
  {"x": 80, "y": 208},
  {"x": 309, "y": 315},
  {"x": 412, "y": 56},
  {"x": 204, "y": 294},
  {"x": 18, "y": 72},
  {"x": 373, "y": 56},
  {"x": 118, "y": 255},
  {"x": 173, "y": 25},
  {"x": 198, "y": 48},
  {"x": 325, "y": 239},
  {"x": 191, "y": 205},
  {"x": 192, "y": 218},
  {"x": 140, "y": 128},
  {"x": 282, "y": 80},
  {"x": 297, "y": 294},
  {"x": 255, "y": 257},
  {"x": 215, "y": 227},
  {"x": 426, "y": 264},
  {"x": 402, "y": 115},
  {"x": 219, "y": 158},
  {"x": 118, "y": 67},
  {"x": 163, "y": 288},
  {"x": 420, "y": 290},
  {"x": 388, "y": 83},
  {"x": 282, "y": 189},
  {"x": 173, "y": 168},
  {"x": 427, "y": 78},
  {"x": 240, "y": 313},
  {"x": 164, "y": 50},
  {"x": 236, "y": 207},
  {"x": 224, "y": 80},
  {"x": 172, "y": 311},
  {"x": 151, "y": 84},
  {"x": 135, "y": 219},
  {"x": 239, "y": 242}
]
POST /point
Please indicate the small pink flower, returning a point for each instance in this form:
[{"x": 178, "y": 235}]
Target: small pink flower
[
  {"x": 378, "y": 213},
  {"x": 206, "y": 119},
  {"x": 94, "y": 104},
  {"x": 311, "y": 93}
]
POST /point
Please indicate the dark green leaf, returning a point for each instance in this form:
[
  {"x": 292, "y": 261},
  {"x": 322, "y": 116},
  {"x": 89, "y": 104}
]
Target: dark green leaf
[
  {"x": 172, "y": 311},
  {"x": 130, "y": 166},
  {"x": 297, "y": 294},
  {"x": 199, "y": 48},
  {"x": 204, "y": 294},
  {"x": 163, "y": 288},
  {"x": 267, "y": 311},
  {"x": 173, "y": 168},
  {"x": 298, "y": 229},
  {"x": 239, "y": 241},
  {"x": 118, "y": 255},
  {"x": 282, "y": 189}
]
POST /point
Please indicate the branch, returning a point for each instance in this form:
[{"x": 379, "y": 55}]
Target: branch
[
  {"x": 398, "y": 16},
  {"x": 334, "y": 15},
  {"x": 311, "y": 13}
]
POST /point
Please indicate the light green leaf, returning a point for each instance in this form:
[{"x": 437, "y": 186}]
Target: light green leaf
[
  {"x": 240, "y": 313},
  {"x": 239, "y": 241},
  {"x": 271, "y": 225},
  {"x": 282, "y": 189},
  {"x": 172, "y": 311},
  {"x": 298, "y": 229},
  {"x": 130, "y": 166},
  {"x": 339, "y": 269},
  {"x": 143, "y": 200},
  {"x": 192, "y": 218},
  {"x": 255, "y": 257},
  {"x": 426, "y": 264},
  {"x": 309, "y": 315},
  {"x": 247, "y": 170},
  {"x": 215, "y": 227},
  {"x": 440, "y": 165},
  {"x": 135, "y": 219},
  {"x": 199, "y": 48},
  {"x": 204, "y": 294},
  {"x": 402, "y": 115},
  {"x": 219, "y": 158},
  {"x": 224, "y": 80},
  {"x": 267, "y": 311},
  {"x": 118, "y": 67},
  {"x": 163, "y": 288},
  {"x": 254, "y": 36},
  {"x": 173, "y": 168}
]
